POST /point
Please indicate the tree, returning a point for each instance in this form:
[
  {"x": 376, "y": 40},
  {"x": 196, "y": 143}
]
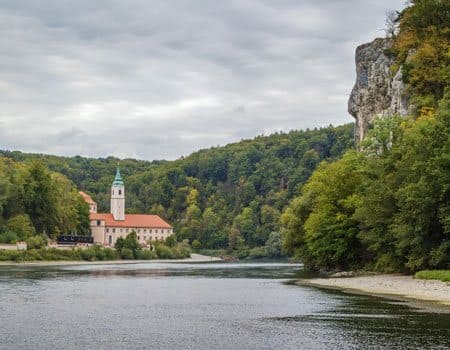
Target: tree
[
  {"x": 128, "y": 244},
  {"x": 274, "y": 245},
  {"x": 21, "y": 225}
]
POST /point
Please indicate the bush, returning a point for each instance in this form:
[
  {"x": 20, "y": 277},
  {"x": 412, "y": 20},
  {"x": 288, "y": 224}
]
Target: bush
[
  {"x": 36, "y": 242},
  {"x": 131, "y": 243},
  {"x": 196, "y": 245},
  {"x": 126, "y": 253},
  {"x": 12, "y": 255},
  {"x": 257, "y": 252},
  {"x": 147, "y": 254},
  {"x": 274, "y": 245},
  {"x": 181, "y": 250},
  {"x": 88, "y": 254},
  {"x": 110, "y": 254},
  {"x": 9, "y": 237},
  {"x": 163, "y": 251},
  {"x": 171, "y": 241},
  {"x": 21, "y": 225}
]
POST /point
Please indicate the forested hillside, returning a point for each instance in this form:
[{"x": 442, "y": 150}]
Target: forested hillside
[
  {"x": 388, "y": 207},
  {"x": 35, "y": 201},
  {"x": 223, "y": 197}
]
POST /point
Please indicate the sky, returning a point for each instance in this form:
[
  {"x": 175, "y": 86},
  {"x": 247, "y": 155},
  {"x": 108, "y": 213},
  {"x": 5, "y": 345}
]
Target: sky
[{"x": 163, "y": 78}]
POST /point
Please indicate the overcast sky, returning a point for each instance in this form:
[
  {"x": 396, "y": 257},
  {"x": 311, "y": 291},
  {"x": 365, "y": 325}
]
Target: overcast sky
[{"x": 160, "y": 79}]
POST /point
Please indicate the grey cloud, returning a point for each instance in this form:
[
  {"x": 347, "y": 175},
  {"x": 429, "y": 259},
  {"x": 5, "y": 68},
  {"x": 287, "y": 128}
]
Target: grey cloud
[{"x": 161, "y": 79}]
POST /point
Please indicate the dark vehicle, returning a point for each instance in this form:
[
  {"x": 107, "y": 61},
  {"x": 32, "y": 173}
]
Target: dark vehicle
[{"x": 73, "y": 240}]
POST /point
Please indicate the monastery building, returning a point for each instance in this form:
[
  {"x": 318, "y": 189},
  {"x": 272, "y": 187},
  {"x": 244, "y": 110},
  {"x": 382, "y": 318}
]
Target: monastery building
[{"x": 107, "y": 228}]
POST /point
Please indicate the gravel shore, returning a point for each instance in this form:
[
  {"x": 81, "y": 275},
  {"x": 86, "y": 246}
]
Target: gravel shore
[{"x": 389, "y": 285}]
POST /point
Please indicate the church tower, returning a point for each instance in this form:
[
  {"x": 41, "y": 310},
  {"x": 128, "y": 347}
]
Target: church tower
[{"x": 118, "y": 198}]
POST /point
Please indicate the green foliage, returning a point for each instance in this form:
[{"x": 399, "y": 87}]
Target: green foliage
[
  {"x": 36, "y": 242},
  {"x": 258, "y": 252},
  {"x": 274, "y": 245},
  {"x": 171, "y": 241},
  {"x": 441, "y": 275},
  {"x": 34, "y": 200},
  {"x": 128, "y": 244},
  {"x": 233, "y": 192},
  {"x": 386, "y": 208},
  {"x": 163, "y": 252},
  {"x": 146, "y": 254},
  {"x": 93, "y": 253},
  {"x": 196, "y": 245},
  {"x": 126, "y": 253},
  {"x": 9, "y": 237},
  {"x": 21, "y": 225},
  {"x": 422, "y": 49}
]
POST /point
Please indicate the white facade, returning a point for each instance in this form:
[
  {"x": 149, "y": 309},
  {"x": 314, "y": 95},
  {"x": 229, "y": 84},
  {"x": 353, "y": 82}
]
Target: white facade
[
  {"x": 107, "y": 228},
  {"x": 118, "y": 198}
]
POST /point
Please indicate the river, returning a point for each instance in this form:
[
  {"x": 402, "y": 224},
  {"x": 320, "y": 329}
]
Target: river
[{"x": 200, "y": 306}]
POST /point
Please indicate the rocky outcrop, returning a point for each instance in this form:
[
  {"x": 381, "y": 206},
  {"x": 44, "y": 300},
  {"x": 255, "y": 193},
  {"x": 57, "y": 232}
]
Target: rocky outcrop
[{"x": 377, "y": 91}]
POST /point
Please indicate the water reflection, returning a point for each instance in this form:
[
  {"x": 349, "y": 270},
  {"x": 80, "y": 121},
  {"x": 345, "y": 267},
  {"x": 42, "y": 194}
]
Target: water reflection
[{"x": 207, "y": 306}]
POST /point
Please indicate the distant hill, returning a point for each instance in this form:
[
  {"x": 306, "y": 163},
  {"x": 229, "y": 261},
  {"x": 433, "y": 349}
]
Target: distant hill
[{"x": 222, "y": 196}]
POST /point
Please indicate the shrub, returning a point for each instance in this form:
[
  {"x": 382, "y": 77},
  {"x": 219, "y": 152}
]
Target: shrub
[
  {"x": 257, "y": 252},
  {"x": 110, "y": 254},
  {"x": 36, "y": 242},
  {"x": 147, "y": 254},
  {"x": 8, "y": 237},
  {"x": 171, "y": 241},
  {"x": 21, "y": 225},
  {"x": 12, "y": 255},
  {"x": 126, "y": 253},
  {"x": 196, "y": 245},
  {"x": 130, "y": 242},
  {"x": 274, "y": 245},
  {"x": 163, "y": 251}
]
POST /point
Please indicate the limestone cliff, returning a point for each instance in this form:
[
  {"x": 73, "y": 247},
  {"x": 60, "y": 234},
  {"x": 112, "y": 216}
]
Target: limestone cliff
[{"x": 377, "y": 92}]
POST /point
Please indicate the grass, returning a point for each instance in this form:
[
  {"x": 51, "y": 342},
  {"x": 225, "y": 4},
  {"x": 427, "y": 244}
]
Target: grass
[{"x": 441, "y": 275}]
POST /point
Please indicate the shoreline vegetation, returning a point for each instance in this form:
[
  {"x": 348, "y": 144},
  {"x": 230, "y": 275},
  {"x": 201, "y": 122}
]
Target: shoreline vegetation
[
  {"x": 194, "y": 258},
  {"x": 393, "y": 286}
]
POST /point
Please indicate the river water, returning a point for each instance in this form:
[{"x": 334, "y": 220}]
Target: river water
[{"x": 200, "y": 306}]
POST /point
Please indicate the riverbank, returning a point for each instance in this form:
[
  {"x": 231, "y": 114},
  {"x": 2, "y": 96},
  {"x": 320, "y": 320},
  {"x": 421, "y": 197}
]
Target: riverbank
[
  {"x": 388, "y": 286},
  {"x": 195, "y": 258}
]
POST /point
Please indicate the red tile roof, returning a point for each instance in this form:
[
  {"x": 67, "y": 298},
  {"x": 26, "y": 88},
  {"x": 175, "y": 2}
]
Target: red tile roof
[
  {"x": 132, "y": 220},
  {"x": 87, "y": 198}
]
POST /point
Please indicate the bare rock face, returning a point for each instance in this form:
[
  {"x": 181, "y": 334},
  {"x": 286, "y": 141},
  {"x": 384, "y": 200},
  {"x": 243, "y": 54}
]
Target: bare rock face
[{"x": 376, "y": 92}]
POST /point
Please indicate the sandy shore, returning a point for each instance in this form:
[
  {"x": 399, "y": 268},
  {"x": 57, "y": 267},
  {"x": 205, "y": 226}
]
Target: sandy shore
[
  {"x": 388, "y": 285},
  {"x": 195, "y": 258}
]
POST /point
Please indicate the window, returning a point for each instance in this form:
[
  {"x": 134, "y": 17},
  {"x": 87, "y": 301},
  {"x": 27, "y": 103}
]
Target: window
[
  {"x": 156, "y": 231},
  {"x": 150, "y": 230},
  {"x": 120, "y": 230},
  {"x": 128, "y": 229},
  {"x": 98, "y": 223},
  {"x": 139, "y": 238},
  {"x": 120, "y": 192},
  {"x": 145, "y": 231},
  {"x": 114, "y": 230},
  {"x": 139, "y": 230},
  {"x": 145, "y": 238},
  {"x": 110, "y": 239},
  {"x": 107, "y": 230},
  {"x": 150, "y": 237}
]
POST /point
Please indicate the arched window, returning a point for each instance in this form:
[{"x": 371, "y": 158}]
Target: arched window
[{"x": 120, "y": 192}]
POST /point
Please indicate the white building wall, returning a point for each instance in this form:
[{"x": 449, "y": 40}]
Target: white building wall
[{"x": 98, "y": 231}]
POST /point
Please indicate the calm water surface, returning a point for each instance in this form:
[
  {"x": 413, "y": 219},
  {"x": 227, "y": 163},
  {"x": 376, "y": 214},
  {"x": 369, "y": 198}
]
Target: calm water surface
[{"x": 200, "y": 306}]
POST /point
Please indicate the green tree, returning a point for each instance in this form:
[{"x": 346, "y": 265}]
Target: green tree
[{"x": 21, "y": 225}]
